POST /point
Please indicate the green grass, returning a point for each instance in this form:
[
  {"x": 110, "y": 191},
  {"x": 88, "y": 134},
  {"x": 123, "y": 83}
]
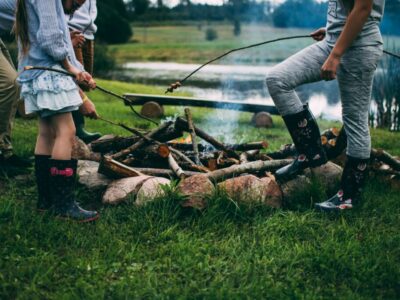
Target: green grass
[
  {"x": 187, "y": 44},
  {"x": 226, "y": 251}
]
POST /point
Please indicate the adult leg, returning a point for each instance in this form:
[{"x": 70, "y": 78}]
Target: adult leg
[
  {"x": 63, "y": 172},
  {"x": 303, "y": 67},
  {"x": 9, "y": 95},
  {"x": 355, "y": 77}
]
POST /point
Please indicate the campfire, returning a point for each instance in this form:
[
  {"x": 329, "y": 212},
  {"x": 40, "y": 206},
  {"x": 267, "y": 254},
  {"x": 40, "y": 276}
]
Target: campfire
[{"x": 171, "y": 151}]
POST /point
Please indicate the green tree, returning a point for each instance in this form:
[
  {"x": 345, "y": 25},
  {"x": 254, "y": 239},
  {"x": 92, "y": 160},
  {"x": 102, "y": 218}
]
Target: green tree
[{"x": 112, "y": 23}]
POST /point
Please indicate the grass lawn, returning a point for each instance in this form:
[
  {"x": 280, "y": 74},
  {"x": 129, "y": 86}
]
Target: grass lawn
[
  {"x": 226, "y": 251},
  {"x": 187, "y": 43}
]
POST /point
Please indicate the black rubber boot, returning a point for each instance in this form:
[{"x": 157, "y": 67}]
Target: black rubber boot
[
  {"x": 62, "y": 185},
  {"x": 354, "y": 175},
  {"x": 13, "y": 165},
  {"x": 42, "y": 182},
  {"x": 306, "y": 137},
  {"x": 81, "y": 133}
]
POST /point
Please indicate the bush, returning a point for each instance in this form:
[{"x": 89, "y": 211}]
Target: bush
[
  {"x": 104, "y": 61},
  {"x": 211, "y": 34}
]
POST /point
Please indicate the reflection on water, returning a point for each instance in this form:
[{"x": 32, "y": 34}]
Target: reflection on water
[{"x": 232, "y": 82}]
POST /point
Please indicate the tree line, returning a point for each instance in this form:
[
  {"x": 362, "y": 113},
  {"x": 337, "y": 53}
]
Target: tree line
[{"x": 115, "y": 16}]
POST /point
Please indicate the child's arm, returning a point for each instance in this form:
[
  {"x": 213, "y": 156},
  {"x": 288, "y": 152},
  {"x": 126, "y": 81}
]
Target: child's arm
[
  {"x": 354, "y": 24},
  {"x": 50, "y": 37},
  {"x": 82, "y": 77}
]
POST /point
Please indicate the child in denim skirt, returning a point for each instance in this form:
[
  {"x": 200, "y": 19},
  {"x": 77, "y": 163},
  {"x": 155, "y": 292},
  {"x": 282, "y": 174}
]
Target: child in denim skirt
[{"x": 44, "y": 40}]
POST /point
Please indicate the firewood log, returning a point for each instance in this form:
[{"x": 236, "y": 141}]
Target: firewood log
[
  {"x": 248, "y": 155},
  {"x": 386, "y": 158},
  {"x": 175, "y": 167},
  {"x": 112, "y": 144},
  {"x": 189, "y": 147},
  {"x": 115, "y": 169},
  {"x": 183, "y": 124},
  {"x": 248, "y": 146},
  {"x": 192, "y": 135},
  {"x": 251, "y": 167},
  {"x": 165, "y": 131}
]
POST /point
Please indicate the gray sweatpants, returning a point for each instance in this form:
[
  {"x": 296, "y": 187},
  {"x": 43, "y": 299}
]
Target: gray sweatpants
[{"x": 355, "y": 76}]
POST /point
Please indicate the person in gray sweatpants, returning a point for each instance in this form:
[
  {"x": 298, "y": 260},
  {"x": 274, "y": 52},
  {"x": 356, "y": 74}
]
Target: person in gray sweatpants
[{"x": 349, "y": 49}]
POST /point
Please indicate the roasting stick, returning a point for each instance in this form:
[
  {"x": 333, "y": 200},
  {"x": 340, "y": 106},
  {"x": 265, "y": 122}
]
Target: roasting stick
[
  {"x": 179, "y": 83},
  {"x": 130, "y": 102},
  {"x": 131, "y": 130}
]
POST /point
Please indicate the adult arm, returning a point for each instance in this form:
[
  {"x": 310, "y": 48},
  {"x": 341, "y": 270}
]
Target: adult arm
[{"x": 354, "y": 25}]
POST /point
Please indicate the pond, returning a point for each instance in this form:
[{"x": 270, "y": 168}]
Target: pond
[{"x": 231, "y": 82}]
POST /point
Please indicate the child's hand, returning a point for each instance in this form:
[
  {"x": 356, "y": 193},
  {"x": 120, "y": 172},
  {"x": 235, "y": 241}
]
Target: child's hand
[
  {"x": 77, "y": 38},
  {"x": 88, "y": 109},
  {"x": 319, "y": 34},
  {"x": 85, "y": 81}
]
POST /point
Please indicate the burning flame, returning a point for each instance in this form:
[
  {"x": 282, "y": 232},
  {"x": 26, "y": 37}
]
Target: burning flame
[{"x": 183, "y": 140}]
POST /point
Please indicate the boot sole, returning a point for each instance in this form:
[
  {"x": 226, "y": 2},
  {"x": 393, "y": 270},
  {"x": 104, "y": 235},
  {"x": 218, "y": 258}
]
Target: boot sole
[
  {"x": 331, "y": 210},
  {"x": 311, "y": 165},
  {"x": 78, "y": 221}
]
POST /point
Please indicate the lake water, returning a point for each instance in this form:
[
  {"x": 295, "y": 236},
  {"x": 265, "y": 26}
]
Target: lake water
[{"x": 231, "y": 82}]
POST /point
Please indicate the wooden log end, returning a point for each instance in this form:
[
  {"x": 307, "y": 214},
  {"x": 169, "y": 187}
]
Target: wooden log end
[
  {"x": 262, "y": 120},
  {"x": 152, "y": 109},
  {"x": 115, "y": 169},
  {"x": 163, "y": 150}
]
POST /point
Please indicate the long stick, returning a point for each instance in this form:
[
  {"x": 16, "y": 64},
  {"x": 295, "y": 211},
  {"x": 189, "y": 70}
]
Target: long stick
[
  {"x": 193, "y": 135},
  {"x": 130, "y": 102},
  {"x": 179, "y": 83}
]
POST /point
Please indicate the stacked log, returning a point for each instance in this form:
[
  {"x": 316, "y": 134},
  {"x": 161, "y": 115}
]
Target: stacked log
[{"x": 139, "y": 165}]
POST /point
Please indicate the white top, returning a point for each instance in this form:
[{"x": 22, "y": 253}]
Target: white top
[
  {"x": 83, "y": 19},
  {"x": 338, "y": 10}
]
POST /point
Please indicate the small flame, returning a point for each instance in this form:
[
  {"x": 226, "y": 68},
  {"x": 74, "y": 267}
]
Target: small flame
[{"x": 183, "y": 140}]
